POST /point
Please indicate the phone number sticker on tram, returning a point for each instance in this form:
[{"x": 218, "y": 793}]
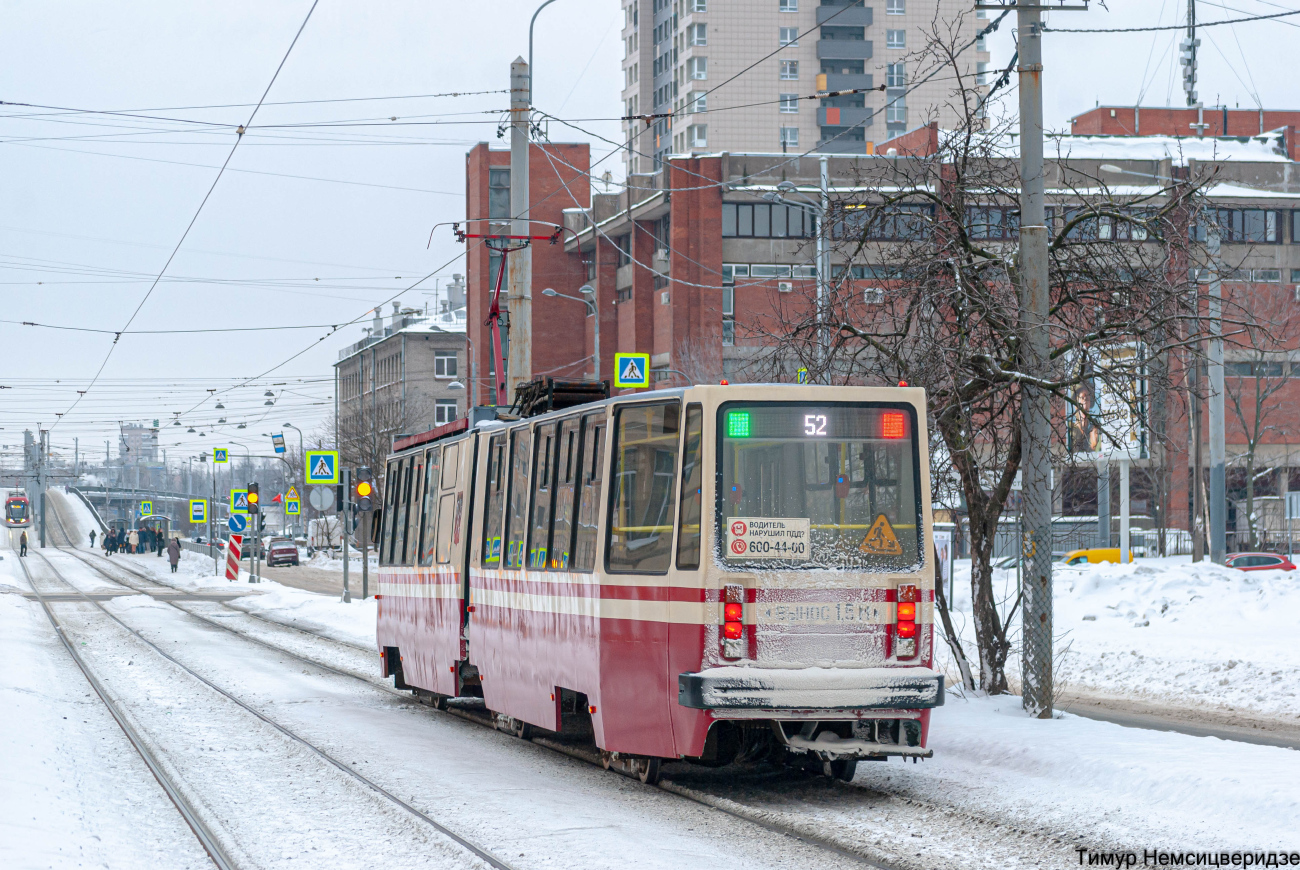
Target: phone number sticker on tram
[{"x": 764, "y": 538}]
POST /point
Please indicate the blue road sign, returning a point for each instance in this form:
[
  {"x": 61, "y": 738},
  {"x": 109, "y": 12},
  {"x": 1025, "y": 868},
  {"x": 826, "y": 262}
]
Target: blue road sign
[
  {"x": 803, "y": 376},
  {"x": 277, "y": 441},
  {"x": 198, "y": 510},
  {"x": 323, "y": 466},
  {"x": 237, "y": 523},
  {"x": 221, "y": 454},
  {"x": 146, "y": 509},
  {"x": 631, "y": 370},
  {"x": 239, "y": 501}
]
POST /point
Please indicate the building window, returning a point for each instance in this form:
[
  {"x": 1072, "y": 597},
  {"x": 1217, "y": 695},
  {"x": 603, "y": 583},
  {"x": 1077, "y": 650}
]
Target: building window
[
  {"x": 896, "y": 113},
  {"x": 698, "y": 135},
  {"x": 993, "y": 222},
  {"x": 895, "y": 7},
  {"x": 697, "y": 101},
  {"x": 444, "y": 411},
  {"x": 788, "y": 6},
  {"x": 697, "y": 68},
  {"x": 697, "y": 34},
  {"x": 1245, "y": 225},
  {"x": 789, "y": 104},
  {"x": 895, "y": 39},
  {"x": 759, "y": 220},
  {"x": 728, "y": 316},
  {"x": 789, "y": 137},
  {"x": 895, "y": 75},
  {"x": 699, "y": 5},
  {"x": 789, "y": 70},
  {"x": 444, "y": 364},
  {"x": 981, "y": 73},
  {"x": 498, "y": 193},
  {"x": 789, "y": 36}
]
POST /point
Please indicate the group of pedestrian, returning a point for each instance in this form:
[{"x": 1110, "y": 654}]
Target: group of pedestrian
[{"x": 135, "y": 541}]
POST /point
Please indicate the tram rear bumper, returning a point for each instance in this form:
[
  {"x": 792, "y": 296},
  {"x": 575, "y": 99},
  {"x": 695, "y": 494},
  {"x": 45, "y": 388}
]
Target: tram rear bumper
[{"x": 811, "y": 688}]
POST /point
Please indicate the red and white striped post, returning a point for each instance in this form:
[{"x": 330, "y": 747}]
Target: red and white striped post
[{"x": 232, "y": 556}]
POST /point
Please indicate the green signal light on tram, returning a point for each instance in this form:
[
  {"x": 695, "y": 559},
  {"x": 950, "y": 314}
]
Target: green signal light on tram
[{"x": 737, "y": 424}]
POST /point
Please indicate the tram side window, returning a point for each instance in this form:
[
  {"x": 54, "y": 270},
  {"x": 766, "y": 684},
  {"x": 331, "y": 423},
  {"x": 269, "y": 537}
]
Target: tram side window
[
  {"x": 386, "y": 536},
  {"x": 641, "y": 506},
  {"x": 446, "y": 520},
  {"x": 517, "y": 502},
  {"x": 429, "y": 504},
  {"x": 402, "y": 498},
  {"x": 451, "y": 465},
  {"x": 688, "y": 518},
  {"x": 592, "y": 473},
  {"x": 414, "y": 499},
  {"x": 567, "y": 472},
  {"x": 495, "y": 502},
  {"x": 543, "y": 486}
]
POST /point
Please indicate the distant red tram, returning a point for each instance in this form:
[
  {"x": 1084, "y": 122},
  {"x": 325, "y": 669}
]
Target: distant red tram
[
  {"x": 18, "y": 511},
  {"x": 700, "y": 574}
]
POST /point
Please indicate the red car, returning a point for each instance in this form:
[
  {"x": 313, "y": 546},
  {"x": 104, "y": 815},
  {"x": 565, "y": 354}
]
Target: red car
[
  {"x": 1259, "y": 562},
  {"x": 281, "y": 553}
]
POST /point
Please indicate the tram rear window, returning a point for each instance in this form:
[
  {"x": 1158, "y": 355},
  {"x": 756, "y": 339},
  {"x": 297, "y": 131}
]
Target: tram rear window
[{"x": 819, "y": 486}]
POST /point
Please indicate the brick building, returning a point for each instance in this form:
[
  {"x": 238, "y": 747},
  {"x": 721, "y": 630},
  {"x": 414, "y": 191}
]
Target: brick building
[
  {"x": 695, "y": 264},
  {"x": 1186, "y": 122}
]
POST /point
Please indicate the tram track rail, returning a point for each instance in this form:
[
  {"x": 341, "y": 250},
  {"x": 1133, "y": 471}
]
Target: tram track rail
[
  {"x": 807, "y": 833},
  {"x": 207, "y": 837}
]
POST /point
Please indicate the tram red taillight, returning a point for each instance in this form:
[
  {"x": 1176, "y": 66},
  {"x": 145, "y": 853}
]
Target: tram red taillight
[
  {"x": 733, "y": 621},
  {"x": 905, "y": 621}
]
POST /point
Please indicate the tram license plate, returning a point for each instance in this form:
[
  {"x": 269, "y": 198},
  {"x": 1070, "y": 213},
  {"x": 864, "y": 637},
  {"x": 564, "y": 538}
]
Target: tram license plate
[{"x": 763, "y": 538}]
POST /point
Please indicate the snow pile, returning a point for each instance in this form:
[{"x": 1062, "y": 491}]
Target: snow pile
[
  {"x": 1100, "y": 782},
  {"x": 321, "y": 559},
  {"x": 1166, "y": 630}
]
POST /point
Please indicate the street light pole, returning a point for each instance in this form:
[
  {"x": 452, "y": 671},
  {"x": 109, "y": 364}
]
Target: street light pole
[
  {"x": 1218, "y": 489},
  {"x": 823, "y": 272},
  {"x": 588, "y": 298}
]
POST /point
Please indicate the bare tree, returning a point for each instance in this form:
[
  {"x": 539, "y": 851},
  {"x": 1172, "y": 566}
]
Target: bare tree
[
  {"x": 1258, "y": 371},
  {"x": 928, "y": 294},
  {"x": 365, "y": 438}
]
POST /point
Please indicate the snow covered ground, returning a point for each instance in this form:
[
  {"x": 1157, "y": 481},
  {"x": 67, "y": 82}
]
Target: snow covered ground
[
  {"x": 1067, "y": 779},
  {"x": 1168, "y": 631}
]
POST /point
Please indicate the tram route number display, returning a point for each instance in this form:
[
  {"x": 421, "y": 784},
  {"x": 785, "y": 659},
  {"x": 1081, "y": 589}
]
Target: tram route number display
[{"x": 767, "y": 538}]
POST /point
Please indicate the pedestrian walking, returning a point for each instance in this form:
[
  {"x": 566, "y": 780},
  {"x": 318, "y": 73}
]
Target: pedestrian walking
[
  {"x": 132, "y": 541},
  {"x": 92, "y": 539},
  {"x": 22, "y": 544},
  {"x": 174, "y": 552},
  {"x": 110, "y": 542}
]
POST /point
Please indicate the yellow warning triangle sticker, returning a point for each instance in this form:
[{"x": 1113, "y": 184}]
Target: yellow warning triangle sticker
[{"x": 881, "y": 540}]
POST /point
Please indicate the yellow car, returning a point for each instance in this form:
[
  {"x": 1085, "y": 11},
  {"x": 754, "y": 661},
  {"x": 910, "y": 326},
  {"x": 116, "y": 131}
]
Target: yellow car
[{"x": 1094, "y": 556}]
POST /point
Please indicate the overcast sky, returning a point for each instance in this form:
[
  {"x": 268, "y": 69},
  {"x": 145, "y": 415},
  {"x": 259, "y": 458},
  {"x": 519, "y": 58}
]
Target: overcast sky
[{"x": 94, "y": 203}]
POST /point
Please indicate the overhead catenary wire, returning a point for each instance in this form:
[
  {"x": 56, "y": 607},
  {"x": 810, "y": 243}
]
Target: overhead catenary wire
[
  {"x": 1199, "y": 25},
  {"x": 197, "y": 212}
]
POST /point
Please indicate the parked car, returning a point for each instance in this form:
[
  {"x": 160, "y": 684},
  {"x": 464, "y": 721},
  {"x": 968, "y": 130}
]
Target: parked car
[
  {"x": 281, "y": 553},
  {"x": 1259, "y": 562},
  {"x": 1094, "y": 556}
]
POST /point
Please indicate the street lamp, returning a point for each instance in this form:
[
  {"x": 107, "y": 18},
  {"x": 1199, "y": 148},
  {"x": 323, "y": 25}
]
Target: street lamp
[
  {"x": 1218, "y": 448},
  {"x": 819, "y": 209},
  {"x": 588, "y": 298}
]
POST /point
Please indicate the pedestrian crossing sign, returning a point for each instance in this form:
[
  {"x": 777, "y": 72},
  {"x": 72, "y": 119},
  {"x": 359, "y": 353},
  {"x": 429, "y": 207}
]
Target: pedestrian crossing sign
[
  {"x": 292, "y": 494},
  {"x": 146, "y": 509},
  {"x": 323, "y": 466},
  {"x": 239, "y": 501},
  {"x": 220, "y": 454},
  {"x": 803, "y": 376},
  {"x": 198, "y": 510},
  {"x": 292, "y": 506},
  {"x": 631, "y": 370}
]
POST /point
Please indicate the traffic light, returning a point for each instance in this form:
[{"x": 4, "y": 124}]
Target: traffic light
[
  {"x": 363, "y": 489},
  {"x": 253, "y": 499}
]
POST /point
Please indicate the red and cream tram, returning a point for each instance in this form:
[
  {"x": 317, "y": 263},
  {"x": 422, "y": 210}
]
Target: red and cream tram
[
  {"x": 684, "y": 574},
  {"x": 18, "y": 511}
]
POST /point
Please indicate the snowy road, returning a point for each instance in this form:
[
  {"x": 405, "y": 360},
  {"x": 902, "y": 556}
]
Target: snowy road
[{"x": 1002, "y": 790}]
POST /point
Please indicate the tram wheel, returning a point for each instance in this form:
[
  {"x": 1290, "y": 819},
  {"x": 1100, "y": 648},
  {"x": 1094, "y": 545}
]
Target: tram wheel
[
  {"x": 842, "y": 769},
  {"x": 606, "y": 759},
  {"x": 647, "y": 770},
  {"x": 523, "y": 730}
]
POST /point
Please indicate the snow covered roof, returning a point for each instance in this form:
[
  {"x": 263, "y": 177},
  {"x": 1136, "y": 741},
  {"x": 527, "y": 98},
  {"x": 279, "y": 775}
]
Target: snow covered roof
[{"x": 1267, "y": 148}]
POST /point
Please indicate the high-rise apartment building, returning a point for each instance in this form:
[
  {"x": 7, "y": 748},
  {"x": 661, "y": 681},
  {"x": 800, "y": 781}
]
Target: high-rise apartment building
[{"x": 675, "y": 51}]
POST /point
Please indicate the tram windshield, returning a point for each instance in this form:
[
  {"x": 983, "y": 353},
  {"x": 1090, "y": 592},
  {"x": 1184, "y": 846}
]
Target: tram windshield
[
  {"x": 819, "y": 486},
  {"x": 17, "y": 510}
]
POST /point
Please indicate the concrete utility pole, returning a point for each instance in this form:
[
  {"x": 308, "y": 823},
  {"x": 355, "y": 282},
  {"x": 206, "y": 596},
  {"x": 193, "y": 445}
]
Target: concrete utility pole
[
  {"x": 1218, "y": 451},
  {"x": 1187, "y": 57},
  {"x": 823, "y": 269},
  {"x": 1035, "y": 404},
  {"x": 1103, "y": 502},
  {"x": 346, "y": 524},
  {"x": 519, "y": 296}
]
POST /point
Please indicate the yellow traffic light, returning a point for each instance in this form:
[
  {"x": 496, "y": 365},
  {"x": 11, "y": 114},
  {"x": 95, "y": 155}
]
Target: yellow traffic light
[{"x": 364, "y": 488}]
